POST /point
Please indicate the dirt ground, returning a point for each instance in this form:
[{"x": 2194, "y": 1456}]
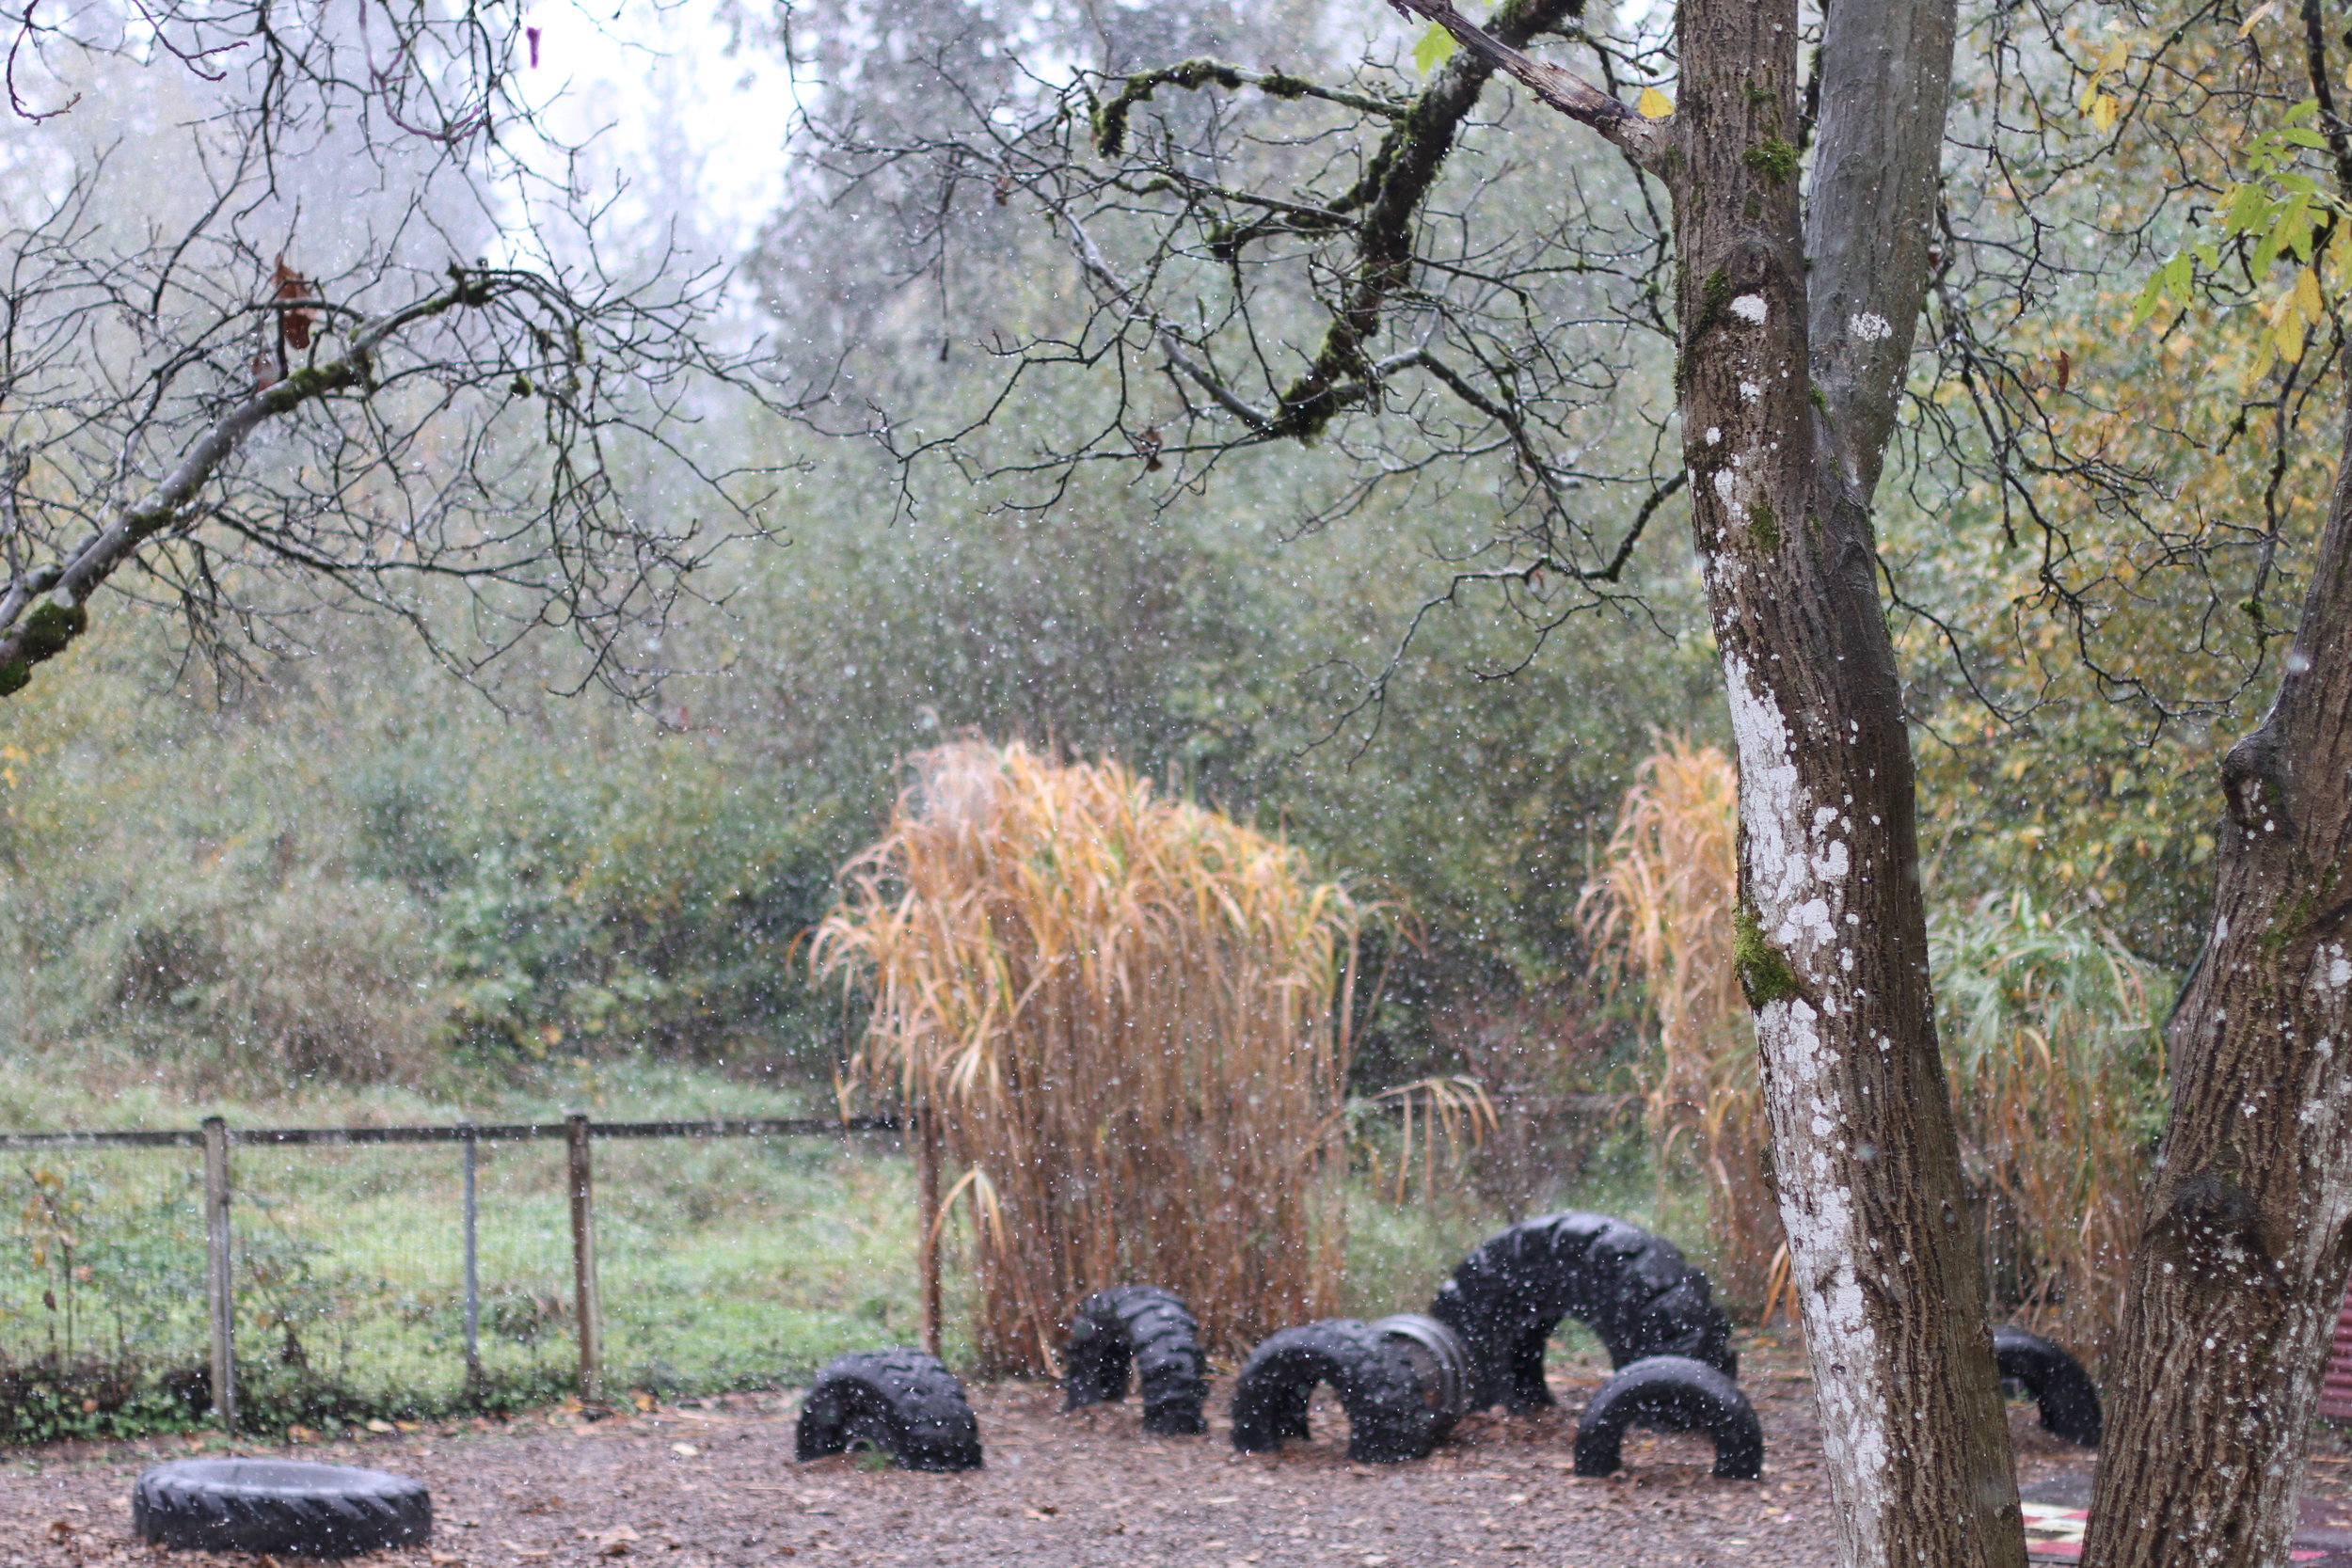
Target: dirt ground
[{"x": 713, "y": 1483}]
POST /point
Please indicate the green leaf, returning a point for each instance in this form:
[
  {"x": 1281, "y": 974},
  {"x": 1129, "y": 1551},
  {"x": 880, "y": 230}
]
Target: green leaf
[
  {"x": 1436, "y": 47},
  {"x": 2268, "y": 251},
  {"x": 2145, "y": 306},
  {"x": 2247, "y": 207}
]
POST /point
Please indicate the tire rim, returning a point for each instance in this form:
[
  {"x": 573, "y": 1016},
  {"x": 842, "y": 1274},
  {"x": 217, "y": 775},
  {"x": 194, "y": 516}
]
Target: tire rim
[{"x": 1440, "y": 1363}]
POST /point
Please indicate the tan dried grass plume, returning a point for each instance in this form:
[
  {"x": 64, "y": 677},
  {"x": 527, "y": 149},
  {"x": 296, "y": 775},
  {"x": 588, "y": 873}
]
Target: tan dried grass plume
[
  {"x": 1130, "y": 1014},
  {"x": 1661, "y": 915}
]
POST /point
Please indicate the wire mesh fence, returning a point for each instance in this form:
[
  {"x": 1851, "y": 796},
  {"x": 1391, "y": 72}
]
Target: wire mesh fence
[{"x": 344, "y": 1274}]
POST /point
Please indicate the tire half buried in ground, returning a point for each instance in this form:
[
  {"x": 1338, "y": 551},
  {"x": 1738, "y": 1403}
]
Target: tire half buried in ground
[
  {"x": 283, "y": 1506},
  {"x": 1632, "y": 1289},
  {"x": 901, "y": 1403},
  {"x": 2069, "y": 1400},
  {"x": 1148, "y": 1330},
  {"x": 1387, "y": 1420},
  {"x": 1440, "y": 1363},
  {"x": 1670, "y": 1393}
]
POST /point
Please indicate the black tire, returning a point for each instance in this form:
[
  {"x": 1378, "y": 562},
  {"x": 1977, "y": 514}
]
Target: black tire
[
  {"x": 284, "y": 1507},
  {"x": 1632, "y": 1289},
  {"x": 1147, "y": 1330},
  {"x": 1670, "y": 1393},
  {"x": 901, "y": 1403},
  {"x": 2068, "y": 1399},
  {"x": 1442, "y": 1365},
  {"x": 1388, "y": 1421}
]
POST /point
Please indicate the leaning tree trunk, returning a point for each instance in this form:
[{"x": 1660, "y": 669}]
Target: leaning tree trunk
[
  {"x": 1832, "y": 942},
  {"x": 2243, "y": 1244}
]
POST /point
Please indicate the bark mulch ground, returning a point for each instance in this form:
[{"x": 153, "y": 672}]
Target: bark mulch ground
[{"x": 714, "y": 1484}]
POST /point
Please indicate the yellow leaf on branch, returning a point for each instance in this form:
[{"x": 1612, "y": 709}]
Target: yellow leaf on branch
[
  {"x": 2264, "y": 350},
  {"x": 1654, "y": 104}
]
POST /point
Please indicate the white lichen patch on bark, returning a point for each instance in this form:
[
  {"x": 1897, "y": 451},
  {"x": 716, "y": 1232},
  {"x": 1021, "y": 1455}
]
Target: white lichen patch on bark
[
  {"x": 1797, "y": 858},
  {"x": 1751, "y": 309},
  {"x": 1798, "y": 865},
  {"x": 1826, "y": 1248}
]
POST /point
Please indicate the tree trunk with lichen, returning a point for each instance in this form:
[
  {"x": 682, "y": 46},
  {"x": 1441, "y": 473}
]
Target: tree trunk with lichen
[
  {"x": 2248, "y": 1227},
  {"x": 1832, "y": 926},
  {"x": 1796, "y": 320}
]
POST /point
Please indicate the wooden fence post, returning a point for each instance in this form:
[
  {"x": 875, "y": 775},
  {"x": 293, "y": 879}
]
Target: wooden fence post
[
  {"x": 926, "y": 1131},
  {"x": 473, "y": 1276},
  {"x": 219, "y": 1294},
  {"x": 583, "y": 1258}
]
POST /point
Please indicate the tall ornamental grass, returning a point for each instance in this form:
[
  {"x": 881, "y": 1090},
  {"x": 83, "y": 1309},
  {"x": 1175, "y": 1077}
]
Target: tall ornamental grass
[
  {"x": 2056, "y": 1062},
  {"x": 1129, "y": 1016},
  {"x": 2057, "y": 1073},
  {"x": 1661, "y": 914}
]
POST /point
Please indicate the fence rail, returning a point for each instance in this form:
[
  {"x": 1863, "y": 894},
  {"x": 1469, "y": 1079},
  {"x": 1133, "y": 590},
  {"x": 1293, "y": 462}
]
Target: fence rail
[
  {"x": 216, "y": 1137},
  {"x": 193, "y": 1137}
]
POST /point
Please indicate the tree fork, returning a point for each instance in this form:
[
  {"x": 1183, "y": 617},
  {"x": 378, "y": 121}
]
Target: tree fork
[
  {"x": 2248, "y": 1227},
  {"x": 1833, "y": 928}
]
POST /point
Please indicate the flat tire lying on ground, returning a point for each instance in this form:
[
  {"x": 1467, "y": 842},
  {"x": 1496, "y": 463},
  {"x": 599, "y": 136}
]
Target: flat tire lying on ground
[
  {"x": 1634, "y": 1291},
  {"x": 2068, "y": 1399},
  {"x": 1387, "y": 1420},
  {"x": 1441, "y": 1367},
  {"x": 283, "y": 1506},
  {"x": 1670, "y": 1393},
  {"x": 901, "y": 1403},
  {"x": 1147, "y": 1330}
]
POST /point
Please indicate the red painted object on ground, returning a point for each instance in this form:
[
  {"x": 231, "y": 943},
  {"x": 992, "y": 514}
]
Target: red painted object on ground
[{"x": 2335, "y": 1387}]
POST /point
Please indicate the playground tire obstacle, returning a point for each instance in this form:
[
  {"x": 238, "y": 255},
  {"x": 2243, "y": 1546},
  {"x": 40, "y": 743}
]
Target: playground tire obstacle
[
  {"x": 901, "y": 1403},
  {"x": 2069, "y": 1400},
  {"x": 1441, "y": 1367},
  {"x": 281, "y": 1507},
  {"x": 1389, "y": 1420},
  {"x": 1670, "y": 1393},
  {"x": 1633, "y": 1289},
  {"x": 1147, "y": 1330}
]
